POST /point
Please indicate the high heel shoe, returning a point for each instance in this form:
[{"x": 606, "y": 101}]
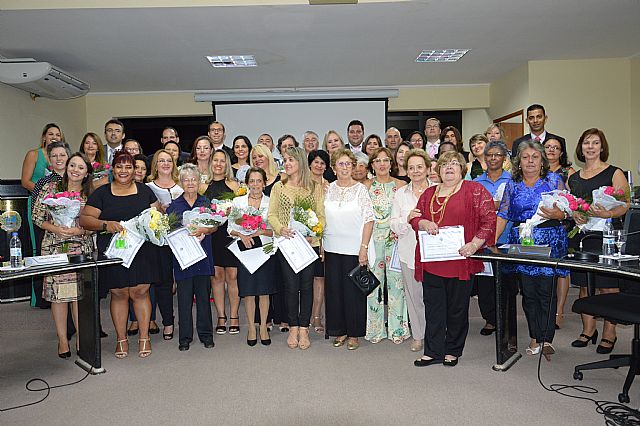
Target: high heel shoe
[
  {"x": 222, "y": 329},
  {"x": 559, "y": 319},
  {"x": 167, "y": 336},
  {"x": 144, "y": 350},
  {"x": 133, "y": 328},
  {"x": 547, "y": 351},
  {"x": 606, "y": 349},
  {"x": 64, "y": 355},
  {"x": 254, "y": 341},
  {"x": 120, "y": 351},
  {"x": 304, "y": 341},
  {"x": 234, "y": 329},
  {"x": 267, "y": 341},
  {"x": 292, "y": 340},
  {"x": 317, "y": 325},
  {"x": 578, "y": 343}
]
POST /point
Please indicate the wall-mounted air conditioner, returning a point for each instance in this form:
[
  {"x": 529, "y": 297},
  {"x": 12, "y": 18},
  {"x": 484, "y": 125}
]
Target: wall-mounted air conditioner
[{"x": 41, "y": 79}]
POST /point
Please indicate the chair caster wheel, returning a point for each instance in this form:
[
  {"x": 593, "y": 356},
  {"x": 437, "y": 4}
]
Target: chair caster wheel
[
  {"x": 623, "y": 398},
  {"x": 577, "y": 375}
]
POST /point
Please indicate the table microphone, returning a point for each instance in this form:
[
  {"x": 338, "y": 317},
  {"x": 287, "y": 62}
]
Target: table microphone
[{"x": 582, "y": 255}]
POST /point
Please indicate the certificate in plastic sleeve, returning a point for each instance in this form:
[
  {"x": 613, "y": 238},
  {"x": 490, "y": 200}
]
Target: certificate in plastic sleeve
[
  {"x": 297, "y": 251},
  {"x": 442, "y": 246},
  {"x": 186, "y": 248}
]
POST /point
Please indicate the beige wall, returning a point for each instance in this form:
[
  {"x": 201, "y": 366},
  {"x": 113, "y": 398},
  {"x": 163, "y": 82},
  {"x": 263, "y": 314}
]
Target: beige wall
[
  {"x": 441, "y": 98},
  {"x": 22, "y": 120},
  {"x": 474, "y": 121},
  {"x": 510, "y": 93},
  {"x": 580, "y": 94}
]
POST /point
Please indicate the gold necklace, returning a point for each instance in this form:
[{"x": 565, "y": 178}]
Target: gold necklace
[{"x": 443, "y": 206}]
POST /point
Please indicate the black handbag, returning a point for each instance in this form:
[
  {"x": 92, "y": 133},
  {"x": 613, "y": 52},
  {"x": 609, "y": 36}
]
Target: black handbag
[{"x": 364, "y": 279}]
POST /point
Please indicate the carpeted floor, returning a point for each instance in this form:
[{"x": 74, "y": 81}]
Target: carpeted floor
[{"x": 234, "y": 384}]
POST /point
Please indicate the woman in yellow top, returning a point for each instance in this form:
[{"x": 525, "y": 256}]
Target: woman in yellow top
[{"x": 296, "y": 186}]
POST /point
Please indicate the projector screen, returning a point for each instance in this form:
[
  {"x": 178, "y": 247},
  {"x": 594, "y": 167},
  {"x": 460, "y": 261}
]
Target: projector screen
[{"x": 296, "y": 117}]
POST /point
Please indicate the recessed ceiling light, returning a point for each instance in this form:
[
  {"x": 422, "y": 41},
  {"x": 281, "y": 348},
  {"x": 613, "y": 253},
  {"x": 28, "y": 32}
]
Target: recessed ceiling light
[
  {"x": 232, "y": 61},
  {"x": 441, "y": 55}
]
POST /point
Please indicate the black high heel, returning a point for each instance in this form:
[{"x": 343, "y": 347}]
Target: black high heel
[
  {"x": 222, "y": 329},
  {"x": 606, "y": 349},
  {"x": 583, "y": 343},
  {"x": 234, "y": 329}
]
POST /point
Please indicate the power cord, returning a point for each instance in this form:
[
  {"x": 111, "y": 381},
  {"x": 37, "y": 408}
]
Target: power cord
[
  {"x": 614, "y": 413},
  {"x": 48, "y": 387}
]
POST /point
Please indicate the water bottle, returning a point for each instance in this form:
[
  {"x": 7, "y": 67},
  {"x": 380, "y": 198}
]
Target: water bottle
[
  {"x": 15, "y": 250},
  {"x": 608, "y": 239}
]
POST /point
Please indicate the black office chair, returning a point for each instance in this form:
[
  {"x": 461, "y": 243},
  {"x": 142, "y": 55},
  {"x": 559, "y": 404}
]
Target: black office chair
[{"x": 619, "y": 308}]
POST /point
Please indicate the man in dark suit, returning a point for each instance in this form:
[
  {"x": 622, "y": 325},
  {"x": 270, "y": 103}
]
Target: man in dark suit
[
  {"x": 536, "y": 119},
  {"x": 217, "y": 135},
  {"x": 170, "y": 134}
]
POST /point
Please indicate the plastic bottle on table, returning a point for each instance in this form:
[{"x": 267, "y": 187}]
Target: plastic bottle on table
[
  {"x": 608, "y": 239},
  {"x": 15, "y": 250}
]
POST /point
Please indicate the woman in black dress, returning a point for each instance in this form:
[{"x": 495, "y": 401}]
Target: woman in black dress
[
  {"x": 124, "y": 199},
  {"x": 225, "y": 262},
  {"x": 593, "y": 150}
]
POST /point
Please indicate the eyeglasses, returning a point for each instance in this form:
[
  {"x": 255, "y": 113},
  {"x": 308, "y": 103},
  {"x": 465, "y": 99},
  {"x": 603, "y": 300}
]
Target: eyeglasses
[
  {"x": 382, "y": 160},
  {"x": 216, "y": 130},
  {"x": 189, "y": 180},
  {"x": 165, "y": 161},
  {"x": 495, "y": 155},
  {"x": 552, "y": 148},
  {"x": 451, "y": 164},
  {"x": 344, "y": 164}
]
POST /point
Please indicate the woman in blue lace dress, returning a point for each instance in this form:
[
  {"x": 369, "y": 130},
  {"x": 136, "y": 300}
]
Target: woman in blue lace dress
[{"x": 531, "y": 178}]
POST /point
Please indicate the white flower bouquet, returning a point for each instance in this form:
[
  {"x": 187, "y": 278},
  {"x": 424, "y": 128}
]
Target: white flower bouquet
[{"x": 64, "y": 207}]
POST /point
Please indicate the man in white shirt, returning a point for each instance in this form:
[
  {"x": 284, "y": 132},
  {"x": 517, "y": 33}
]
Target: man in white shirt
[
  {"x": 310, "y": 141},
  {"x": 432, "y": 132},
  {"x": 355, "y": 135},
  {"x": 113, "y": 134},
  {"x": 392, "y": 139},
  {"x": 266, "y": 140},
  {"x": 217, "y": 135},
  {"x": 536, "y": 119}
]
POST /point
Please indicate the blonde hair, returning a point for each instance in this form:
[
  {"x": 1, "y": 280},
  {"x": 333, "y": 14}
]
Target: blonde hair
[
  {"x": 260, "y": 149},
  {"x": 450, "y": 156},
  {"x": 417, "y": 152},
  {"x": 228, "y": 172},
  {"x": 300, "y": 155},
  {"x": 154, "y": 167},
  {"x": 326, "y": 136}
]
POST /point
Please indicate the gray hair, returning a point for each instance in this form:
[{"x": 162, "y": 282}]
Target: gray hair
[
  {"x": 516, "y": 172},
  {"x": 58, "y": 144},
  {"x": 496, "y": 144},
  {"x": 311, "y": 132},
  {"x": 188, "y": 169}
]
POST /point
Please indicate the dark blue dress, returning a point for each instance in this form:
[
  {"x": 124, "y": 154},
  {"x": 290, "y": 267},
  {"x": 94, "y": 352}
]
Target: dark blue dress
[{"x": 520, "y": 203}]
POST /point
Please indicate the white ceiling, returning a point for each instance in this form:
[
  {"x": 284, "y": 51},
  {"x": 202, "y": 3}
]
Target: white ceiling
[{"x": 369, "y": 44}]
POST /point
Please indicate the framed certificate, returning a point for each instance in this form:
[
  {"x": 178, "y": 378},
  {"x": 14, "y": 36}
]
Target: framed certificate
[
  {"x": 442, "y": 246},
  {"x": 186, "y": 248},
  {"x": 297, "y": 251}
]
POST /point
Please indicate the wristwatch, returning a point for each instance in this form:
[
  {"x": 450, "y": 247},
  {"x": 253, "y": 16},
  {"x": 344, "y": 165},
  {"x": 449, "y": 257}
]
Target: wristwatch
[
  {"x": 104, "y": 226},
  {"x": 365, "y": 246}
]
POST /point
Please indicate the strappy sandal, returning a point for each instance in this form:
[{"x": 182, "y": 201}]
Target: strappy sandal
[
  {"x": 120, "y": 352},
  {"x": 318, "y": 328},
  {"x": 222, "y": 329},
  {"x": 292, "y": 339},
  {"x": 304, "y": 342},
  {"x": 234, "y": 329},
  {"x": 143, "y": 352}
]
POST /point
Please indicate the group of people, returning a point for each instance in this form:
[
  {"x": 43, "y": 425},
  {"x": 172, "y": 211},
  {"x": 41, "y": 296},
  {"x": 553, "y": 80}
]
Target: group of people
[{"x": 371, "y": 196}]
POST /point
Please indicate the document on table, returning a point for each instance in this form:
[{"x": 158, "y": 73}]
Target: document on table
[
  {"x": 297, "y": 251},
  {"x": 395, "y": 259},
  {"x": 127, "y": 253},
  {"x": 186, "y": 248},
  {"x": 251, "y": 259},
  {"x": 442, "y": 246},
  {"x": 488, "y": 270}
]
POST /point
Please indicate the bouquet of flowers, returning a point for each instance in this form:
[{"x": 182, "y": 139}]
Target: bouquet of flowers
[
  {"x": 206, "y": 217},
  {"x": 304, "y": 220},
  {"x": 100, "y": 170},
  {"x": 64, "y": 207},
  {"x": 228, "y": 196},
  {"x": 151, "y": 225},
  {"x": 248, "y": 218},
  {"x": 577, "y": 205},
  {"x": 557, "y": 197}
]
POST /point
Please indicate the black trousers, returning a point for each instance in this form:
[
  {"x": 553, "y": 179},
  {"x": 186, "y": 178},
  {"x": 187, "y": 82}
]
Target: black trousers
[
  {"x": 486, "y": 288},
  {"x": 278, "y": 300},
  {"x": 298, "y": 290},
  {"x": 164, "y": 298},
  {"x": 200, "y": 287},
  {"x": 446, "y": 302},
  {"x": 345, "y": 305},
  {"x": 539, "y": 301}
]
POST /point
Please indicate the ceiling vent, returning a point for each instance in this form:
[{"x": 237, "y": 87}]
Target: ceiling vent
[{"x": 41, "y": 79}]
